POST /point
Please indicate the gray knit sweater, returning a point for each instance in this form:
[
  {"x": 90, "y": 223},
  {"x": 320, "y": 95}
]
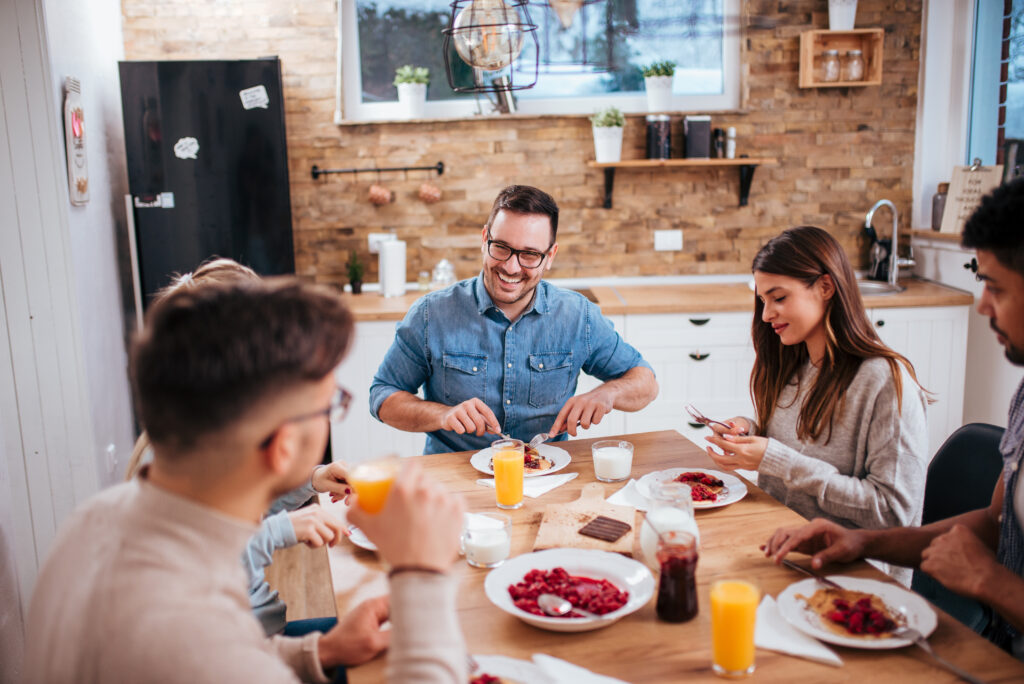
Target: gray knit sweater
[{"x": 871, "y": 473}]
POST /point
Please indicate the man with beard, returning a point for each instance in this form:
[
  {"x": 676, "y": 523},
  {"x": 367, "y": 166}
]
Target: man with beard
[
  {"x": 979, "y": 554},
  {"x": 502, "y": 351}
]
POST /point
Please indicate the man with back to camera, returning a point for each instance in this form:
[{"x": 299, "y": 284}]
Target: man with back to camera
[
  {"x": 979, "y": 554},
  {"x": 235, "y": 385},
  {"x": 502, "y": 351}
]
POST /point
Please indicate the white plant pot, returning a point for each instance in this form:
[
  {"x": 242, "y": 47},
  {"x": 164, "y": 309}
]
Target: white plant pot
[
  {"x": 608, "y": 144},
  {"x": 659, "y": 93},
  {"x": 841, "y": 14},
  {"x": 413, "y": 98}
]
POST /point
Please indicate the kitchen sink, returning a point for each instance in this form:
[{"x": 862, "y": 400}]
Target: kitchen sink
[
  {"x": 877, "y": 288},
  {"x": 586, "y": 292}
]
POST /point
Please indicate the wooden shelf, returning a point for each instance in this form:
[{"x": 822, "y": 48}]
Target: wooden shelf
[
  {"x": 746, "y": 166},
  {"x": 868, "y": 41},
  {"x": 928, "y": 234}
]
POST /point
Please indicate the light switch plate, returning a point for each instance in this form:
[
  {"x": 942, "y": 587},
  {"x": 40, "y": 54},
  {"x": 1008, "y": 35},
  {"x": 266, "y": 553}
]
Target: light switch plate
[{"x": 668, "y": 240}]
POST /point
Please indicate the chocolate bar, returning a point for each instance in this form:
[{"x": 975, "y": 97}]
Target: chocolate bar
[{"x": 605, "y": 528}]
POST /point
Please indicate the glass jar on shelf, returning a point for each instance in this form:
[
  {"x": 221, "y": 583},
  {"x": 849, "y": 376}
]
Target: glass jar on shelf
[
  {"x": 830, "y": 66},
  {"x": 853, "y": 67}
]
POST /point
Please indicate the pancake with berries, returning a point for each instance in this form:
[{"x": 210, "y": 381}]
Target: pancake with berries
[
  {"x": 853, "y": 613},
  {"x": 703, "y": 487},
  {"x": 533, "y": 461}
]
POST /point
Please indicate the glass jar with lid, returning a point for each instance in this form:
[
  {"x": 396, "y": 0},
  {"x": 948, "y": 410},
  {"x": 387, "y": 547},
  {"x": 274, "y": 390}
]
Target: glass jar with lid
[
  {"x": 853, "y": 66},
  {"x": 671, "y": 509},
  {"x": 830, "y": 66}
]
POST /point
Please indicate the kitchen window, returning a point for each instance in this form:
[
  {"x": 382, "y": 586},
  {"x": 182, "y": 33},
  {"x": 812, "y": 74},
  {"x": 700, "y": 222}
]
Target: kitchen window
[{"x": 592, "y": 64}]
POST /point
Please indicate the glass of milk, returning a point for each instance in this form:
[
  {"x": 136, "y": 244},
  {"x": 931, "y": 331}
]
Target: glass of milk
[
  {"x": 613, "y": 459},
  {"x": 486, "y": 539},
  {"x": 671, "y": 510}
]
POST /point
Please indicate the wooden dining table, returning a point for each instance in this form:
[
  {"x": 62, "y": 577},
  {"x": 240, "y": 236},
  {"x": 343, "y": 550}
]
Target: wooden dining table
[{"x": 641, "y": 648}]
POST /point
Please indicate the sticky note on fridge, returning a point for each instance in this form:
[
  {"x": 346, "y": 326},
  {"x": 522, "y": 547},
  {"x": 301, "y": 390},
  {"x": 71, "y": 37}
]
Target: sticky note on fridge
[{"x": 254, "y": 97}]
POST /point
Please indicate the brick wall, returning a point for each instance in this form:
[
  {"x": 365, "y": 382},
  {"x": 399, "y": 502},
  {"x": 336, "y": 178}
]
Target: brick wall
[{"x": 839, "y": 149}]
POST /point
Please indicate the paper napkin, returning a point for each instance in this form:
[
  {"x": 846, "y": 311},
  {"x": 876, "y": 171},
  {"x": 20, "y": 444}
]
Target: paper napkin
[
  {"x": 563, "y": 672},
  {"x": 773, "y": 632},
  {"x": 537, "y": 486},
  {"x": 630, "y": 496}
]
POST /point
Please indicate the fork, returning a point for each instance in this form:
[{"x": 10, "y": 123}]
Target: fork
[
  {"x": 918, "y": 638},
  {"x": 701, "y": 418}
]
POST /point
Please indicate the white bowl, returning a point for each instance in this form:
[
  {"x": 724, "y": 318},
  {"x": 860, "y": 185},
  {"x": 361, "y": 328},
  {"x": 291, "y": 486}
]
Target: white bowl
[{"x": 625, "y": 573}]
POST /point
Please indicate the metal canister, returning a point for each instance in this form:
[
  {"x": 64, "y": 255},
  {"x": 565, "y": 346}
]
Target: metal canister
[{"x": 659, "y": 136}]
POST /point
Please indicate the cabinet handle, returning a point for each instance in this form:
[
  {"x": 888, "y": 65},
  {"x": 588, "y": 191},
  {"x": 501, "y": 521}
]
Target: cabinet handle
[
  {"x": 695, "y": 425},
  {"x": 699, "y": 321},
  {"x": 697, "y": 356},
  {"x": 879, "y": 324},
  {"x": 972, "y": 265}
]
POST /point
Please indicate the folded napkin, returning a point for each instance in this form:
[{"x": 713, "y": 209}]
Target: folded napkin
[
  {"x": 773, "y": 632},
  {"x": 630, "y": 496},
  {"x": 512, "y": 669},
  {"x": 536, "y": 486},
  {"x": 562, "y": 672}
]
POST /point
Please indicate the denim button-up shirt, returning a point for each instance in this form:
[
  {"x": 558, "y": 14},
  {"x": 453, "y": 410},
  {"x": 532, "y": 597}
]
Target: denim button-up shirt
[{"x": 457, "y": 344}]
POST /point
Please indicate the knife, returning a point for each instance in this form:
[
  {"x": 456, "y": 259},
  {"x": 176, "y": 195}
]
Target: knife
[{"x": 821, "y": 578}]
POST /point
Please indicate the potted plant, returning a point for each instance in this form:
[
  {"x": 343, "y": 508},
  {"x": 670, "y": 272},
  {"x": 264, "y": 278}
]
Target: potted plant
[
  {"x": 412, "y": 89},
  {"x": 607, "y": 127},
  {"x": 658, "y": 84},
  {"x": 355, "y": 272}
]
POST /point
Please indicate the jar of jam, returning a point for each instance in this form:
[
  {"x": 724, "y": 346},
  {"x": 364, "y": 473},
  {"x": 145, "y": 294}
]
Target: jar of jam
[{"x": 677, "y": 585}]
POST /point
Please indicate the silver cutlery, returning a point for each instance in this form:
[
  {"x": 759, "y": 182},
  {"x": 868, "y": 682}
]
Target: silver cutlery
[
  {"x": 821, "y": 578},
  {"x": 556, "y": 606},
  {"x": 918, "y": 638},
  {"x": 704, "y": 420}
]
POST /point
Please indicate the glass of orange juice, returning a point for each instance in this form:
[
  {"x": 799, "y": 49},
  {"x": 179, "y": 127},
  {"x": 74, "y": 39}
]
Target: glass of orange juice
[
  {"x": 372, "y": 482},
  {"x": 508, "y": 472},
  {"x": 733, "y": 609}
]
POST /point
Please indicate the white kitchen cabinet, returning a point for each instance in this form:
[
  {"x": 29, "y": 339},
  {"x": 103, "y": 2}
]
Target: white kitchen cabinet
[
  {"x": 934, "y": 339},
  {"x": 700, "y": 359},
  {"x": 361, "y": 436},
  {"x": 990, "y": 380}
]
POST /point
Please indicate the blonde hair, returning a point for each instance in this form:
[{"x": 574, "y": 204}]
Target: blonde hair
[{"x": 213, "y": 271}]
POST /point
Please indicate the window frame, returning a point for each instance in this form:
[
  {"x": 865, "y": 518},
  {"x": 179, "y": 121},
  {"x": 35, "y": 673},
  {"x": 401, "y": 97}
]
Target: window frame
[{"x": 351, "y": 108}]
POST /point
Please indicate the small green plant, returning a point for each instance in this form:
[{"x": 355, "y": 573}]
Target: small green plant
[
  {"x": 355, "y": 268},
  {"x": 409, "y": 74},
  {"x": 666, "y": 68},
  {"x": 608, "y": 118}
]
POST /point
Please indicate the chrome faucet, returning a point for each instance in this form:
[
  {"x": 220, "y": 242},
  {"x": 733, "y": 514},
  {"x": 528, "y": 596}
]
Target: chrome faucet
[{"x": 894, "y": 261}]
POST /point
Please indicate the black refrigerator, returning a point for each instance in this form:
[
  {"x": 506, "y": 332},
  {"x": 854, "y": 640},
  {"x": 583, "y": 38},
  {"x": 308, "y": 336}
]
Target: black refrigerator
[{"x": 207, "y": 168}]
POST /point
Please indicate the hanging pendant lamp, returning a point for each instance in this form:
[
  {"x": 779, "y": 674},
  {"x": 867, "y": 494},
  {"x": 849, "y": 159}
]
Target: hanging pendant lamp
[{"x": 488, "y": 36}]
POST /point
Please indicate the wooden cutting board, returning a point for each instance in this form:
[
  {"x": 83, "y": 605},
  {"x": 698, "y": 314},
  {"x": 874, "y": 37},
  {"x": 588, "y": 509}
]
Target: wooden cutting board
[{"x": 559, "y": 527}]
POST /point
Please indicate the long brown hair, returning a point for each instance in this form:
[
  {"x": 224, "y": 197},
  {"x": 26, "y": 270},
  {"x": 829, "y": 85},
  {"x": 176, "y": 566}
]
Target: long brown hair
[{"x": 806, "y": 254}]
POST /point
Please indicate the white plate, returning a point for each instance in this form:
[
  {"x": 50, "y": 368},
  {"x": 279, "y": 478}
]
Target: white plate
[
  {"x": 625, "y": 573},
  {"x": 560, "y": 458},
  {"x": 359, "y": 538},
  {"x": 511, "y": 669},
  {"x": 919, "y": 614},
  {"x": 735, "y": 488}
]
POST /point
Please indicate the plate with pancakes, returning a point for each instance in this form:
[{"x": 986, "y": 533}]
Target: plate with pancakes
[
  {"x": 543, "y": 460},
  {"x": 864, "y": 613},
  {"x": 708, "y": 488}
]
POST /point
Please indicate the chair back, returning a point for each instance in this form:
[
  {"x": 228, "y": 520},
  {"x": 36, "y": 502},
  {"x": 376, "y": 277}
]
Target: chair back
[{"x": 963, "y": 473}]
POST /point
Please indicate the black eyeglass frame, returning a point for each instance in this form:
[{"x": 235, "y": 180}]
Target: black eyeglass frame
[
  {"x": 513, "y": 252},
  {"x": 335, "y": 412}
]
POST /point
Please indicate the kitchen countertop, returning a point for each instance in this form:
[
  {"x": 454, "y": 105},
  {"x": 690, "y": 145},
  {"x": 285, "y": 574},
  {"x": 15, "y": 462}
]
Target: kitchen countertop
[{"x": 684, "y": 297}]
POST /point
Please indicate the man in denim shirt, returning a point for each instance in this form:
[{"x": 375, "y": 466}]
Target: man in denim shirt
[{"x": 502, "y": 352}]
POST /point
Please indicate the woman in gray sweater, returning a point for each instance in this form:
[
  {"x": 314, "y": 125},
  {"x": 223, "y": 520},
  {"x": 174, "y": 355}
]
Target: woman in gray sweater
[{"x": 840, "y": 430}]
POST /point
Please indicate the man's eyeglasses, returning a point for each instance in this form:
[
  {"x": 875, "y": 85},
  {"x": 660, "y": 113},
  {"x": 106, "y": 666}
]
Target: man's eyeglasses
[
  {"x": 527, "y": 258},
  {"x": 335, "y": 412}
]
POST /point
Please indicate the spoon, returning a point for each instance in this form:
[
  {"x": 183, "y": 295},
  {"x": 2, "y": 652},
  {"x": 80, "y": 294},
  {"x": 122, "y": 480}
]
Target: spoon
[{"x": 556, "y": 606}]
